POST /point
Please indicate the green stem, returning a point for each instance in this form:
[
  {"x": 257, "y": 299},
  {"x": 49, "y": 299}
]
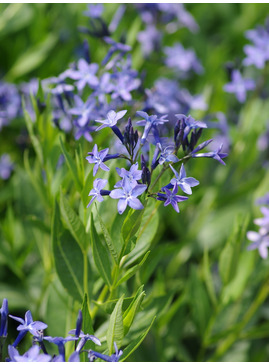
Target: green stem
[
  {"x": 100, "y": 299},
  {"x": 158, "y": 177},
  {"x": 227, "y": 343}
]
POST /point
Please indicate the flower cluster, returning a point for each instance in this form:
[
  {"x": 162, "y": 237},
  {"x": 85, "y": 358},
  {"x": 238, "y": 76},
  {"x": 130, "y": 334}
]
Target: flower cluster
[
  {"x": 38, "y": 351},
  {"x": 137, "y": 181},
  {"x": 261, "y": 239}
]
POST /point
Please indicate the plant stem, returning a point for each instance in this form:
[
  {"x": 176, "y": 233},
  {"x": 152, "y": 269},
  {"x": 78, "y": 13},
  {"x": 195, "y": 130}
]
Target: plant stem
[{"x": 100, "y": 299}]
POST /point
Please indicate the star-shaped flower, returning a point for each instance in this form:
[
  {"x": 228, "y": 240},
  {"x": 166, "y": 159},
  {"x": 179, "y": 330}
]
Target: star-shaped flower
[
  {"x": 97, "y": 158},
  {"x": 260, "y": 242},
  {"x": 98, "y": 185},
  {"x": 184, "y": 182},
  {"x": 127, "y": 195},
  {"x": 133, "y": 175},
  {"x": 111, "y": 120},
  {"x": 239, "y": 86},
  {"x": 171, "y": 197}
]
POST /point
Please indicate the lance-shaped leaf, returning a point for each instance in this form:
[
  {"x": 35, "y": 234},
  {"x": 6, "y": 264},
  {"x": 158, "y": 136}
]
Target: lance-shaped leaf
[
  {"x": 108, "y": 240},
  {"x": 100, "y": 255},
  {"x": 68, "y": 257},
  {"x": 74, "y": 223},
  {"x": 87, "y": 327},
  {"x": 129, "y": 314},
  {"x": 131, "y": 271},
  {"x": 115, "y": 330},
  {"x": 71, "y": 165},
  {"x": 135, "y": 343}
]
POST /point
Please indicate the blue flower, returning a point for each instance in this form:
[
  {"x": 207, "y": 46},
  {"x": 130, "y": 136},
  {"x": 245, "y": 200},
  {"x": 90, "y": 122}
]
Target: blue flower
[
  {"x": 85, "y": 74},
  {"x": 94, "y": 10},
  {"x": 115, "y": 47},
  {"x": 133, "y": 175},
  {"x": 92, "y": 355},
  {"x": 28, "y": 325},
  {"x": 215, "y": 154},
  {"x": 190, "y": 123},
  {"x": 182, "y": 60},
  {"x": 32, "y": 355},
  {"x": 263, "y": 200},
  {"x": 97, "y": 158},
  {"x": 4, "y": 315},
  {"x": 184, "y": 182},
  {"x": 60, "y": 341},
  {"x": 150, "y": 121},
  {"x": 258, "y": 53},
  {"x": 6, "y": 166},
  {"x": 84, "y": 338},
  {"x": 260, "y": 242},
  {"x": 96, "y": 192},
  {"x": 239, "y": 86},
  {"x": 167, "y": 154},
  {"x": 171, "y": 197},
  {"x": 150, "y": 39},
  {"x": 111, "y": 120},
  {"x": 127, "y": 195},
  {"x": 82, "y": 110},
  {"x": 263, "y": 221}
]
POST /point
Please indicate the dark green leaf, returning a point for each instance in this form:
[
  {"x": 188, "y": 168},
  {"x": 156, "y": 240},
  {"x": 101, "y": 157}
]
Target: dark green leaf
[
  {"x": 131, "y": 271},
  {"x": 135, "y": 343},
  {"x": 71, "y": 165},
  {"x": 115, "y": 330},
  {"x": 87, "y": 327},
  {"x": 74, "y": 223},
  {"x": 100, "y": 256},
  {"x": 130, "y": 313},
  {"x": 68, "y": 258}
]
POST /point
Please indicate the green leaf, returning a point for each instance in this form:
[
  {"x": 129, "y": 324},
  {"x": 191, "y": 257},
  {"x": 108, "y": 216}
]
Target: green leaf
[
  {"x": 109, "y": 306},
  {"x": 130, "y": 313},
  {"x": 135, "y": 343},
  {"x": 87, "y": 327},
  {"x": 100, "y": 256},
  {"x": 30, "y": 127},
  {"x": 208, "y": 278},
  {"x": 130, "y": 227},
  {"x": 86, "y": 189},
  {"x": 71, "y": 165},
  {"x": 32, "y": 58},
  {"x": 74, "y": 223},
  {"x": 115, "y": 330},
  {"x": 199, "y": 300},
  {"x": 228, "y": 262},
  {"x": 146, "y": 233},
  {"x": 108, "y": 240},
  {"x": 131, "y": 271},
  {"x": 68, "y": 257},
  {"x": 115, "y": 232}
]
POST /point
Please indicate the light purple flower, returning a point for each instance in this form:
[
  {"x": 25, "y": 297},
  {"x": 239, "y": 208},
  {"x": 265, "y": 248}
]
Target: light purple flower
[
  {"x": 94, "y": 10},
  {"x": 123, "y": 85},
  {"x": 98, "y": 185},
  {"x": 32, "y": 355},
  {"x": 263, "y": 200},
  {"x": 215, "y": 154},
  {"x": 85, "y": 74},
  {"x": 112, "y": 118},
  {"x": 132, "y": 175},
  {"x": 239, "y": 86},
  {"x": 6, "y": 166},
  {"x": 171, "y": 197},
  {"x": 62, "y": 88},
  {"x": 84, "y": 338},
  {"x": 97, "y": 158},
  {"x": 260, "y": 242},
  {"x": 150, "y": 39},
  {"x": 83, "y": 110},
  {"x": 182, "y": 60},
  {"x": 115, "y": 47},
  {"x": 149, "y": 122},
  {"x": 60, "y": 341},
  {"x": 184, "y": 182},
  {"x": 127, "y": 195},
  {"x": 167, "y": 154},
  {"x": 28, "y": 324},
  {"x": 4, "y": 317},
  {"x": 258, "y": 53},
  {"x": 263, "y": 221},
  {"x": 92, "y": 355}
]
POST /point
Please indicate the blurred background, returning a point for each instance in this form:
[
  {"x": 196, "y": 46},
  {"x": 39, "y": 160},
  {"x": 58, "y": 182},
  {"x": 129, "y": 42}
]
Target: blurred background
[{"x": 200, "y": 310}]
